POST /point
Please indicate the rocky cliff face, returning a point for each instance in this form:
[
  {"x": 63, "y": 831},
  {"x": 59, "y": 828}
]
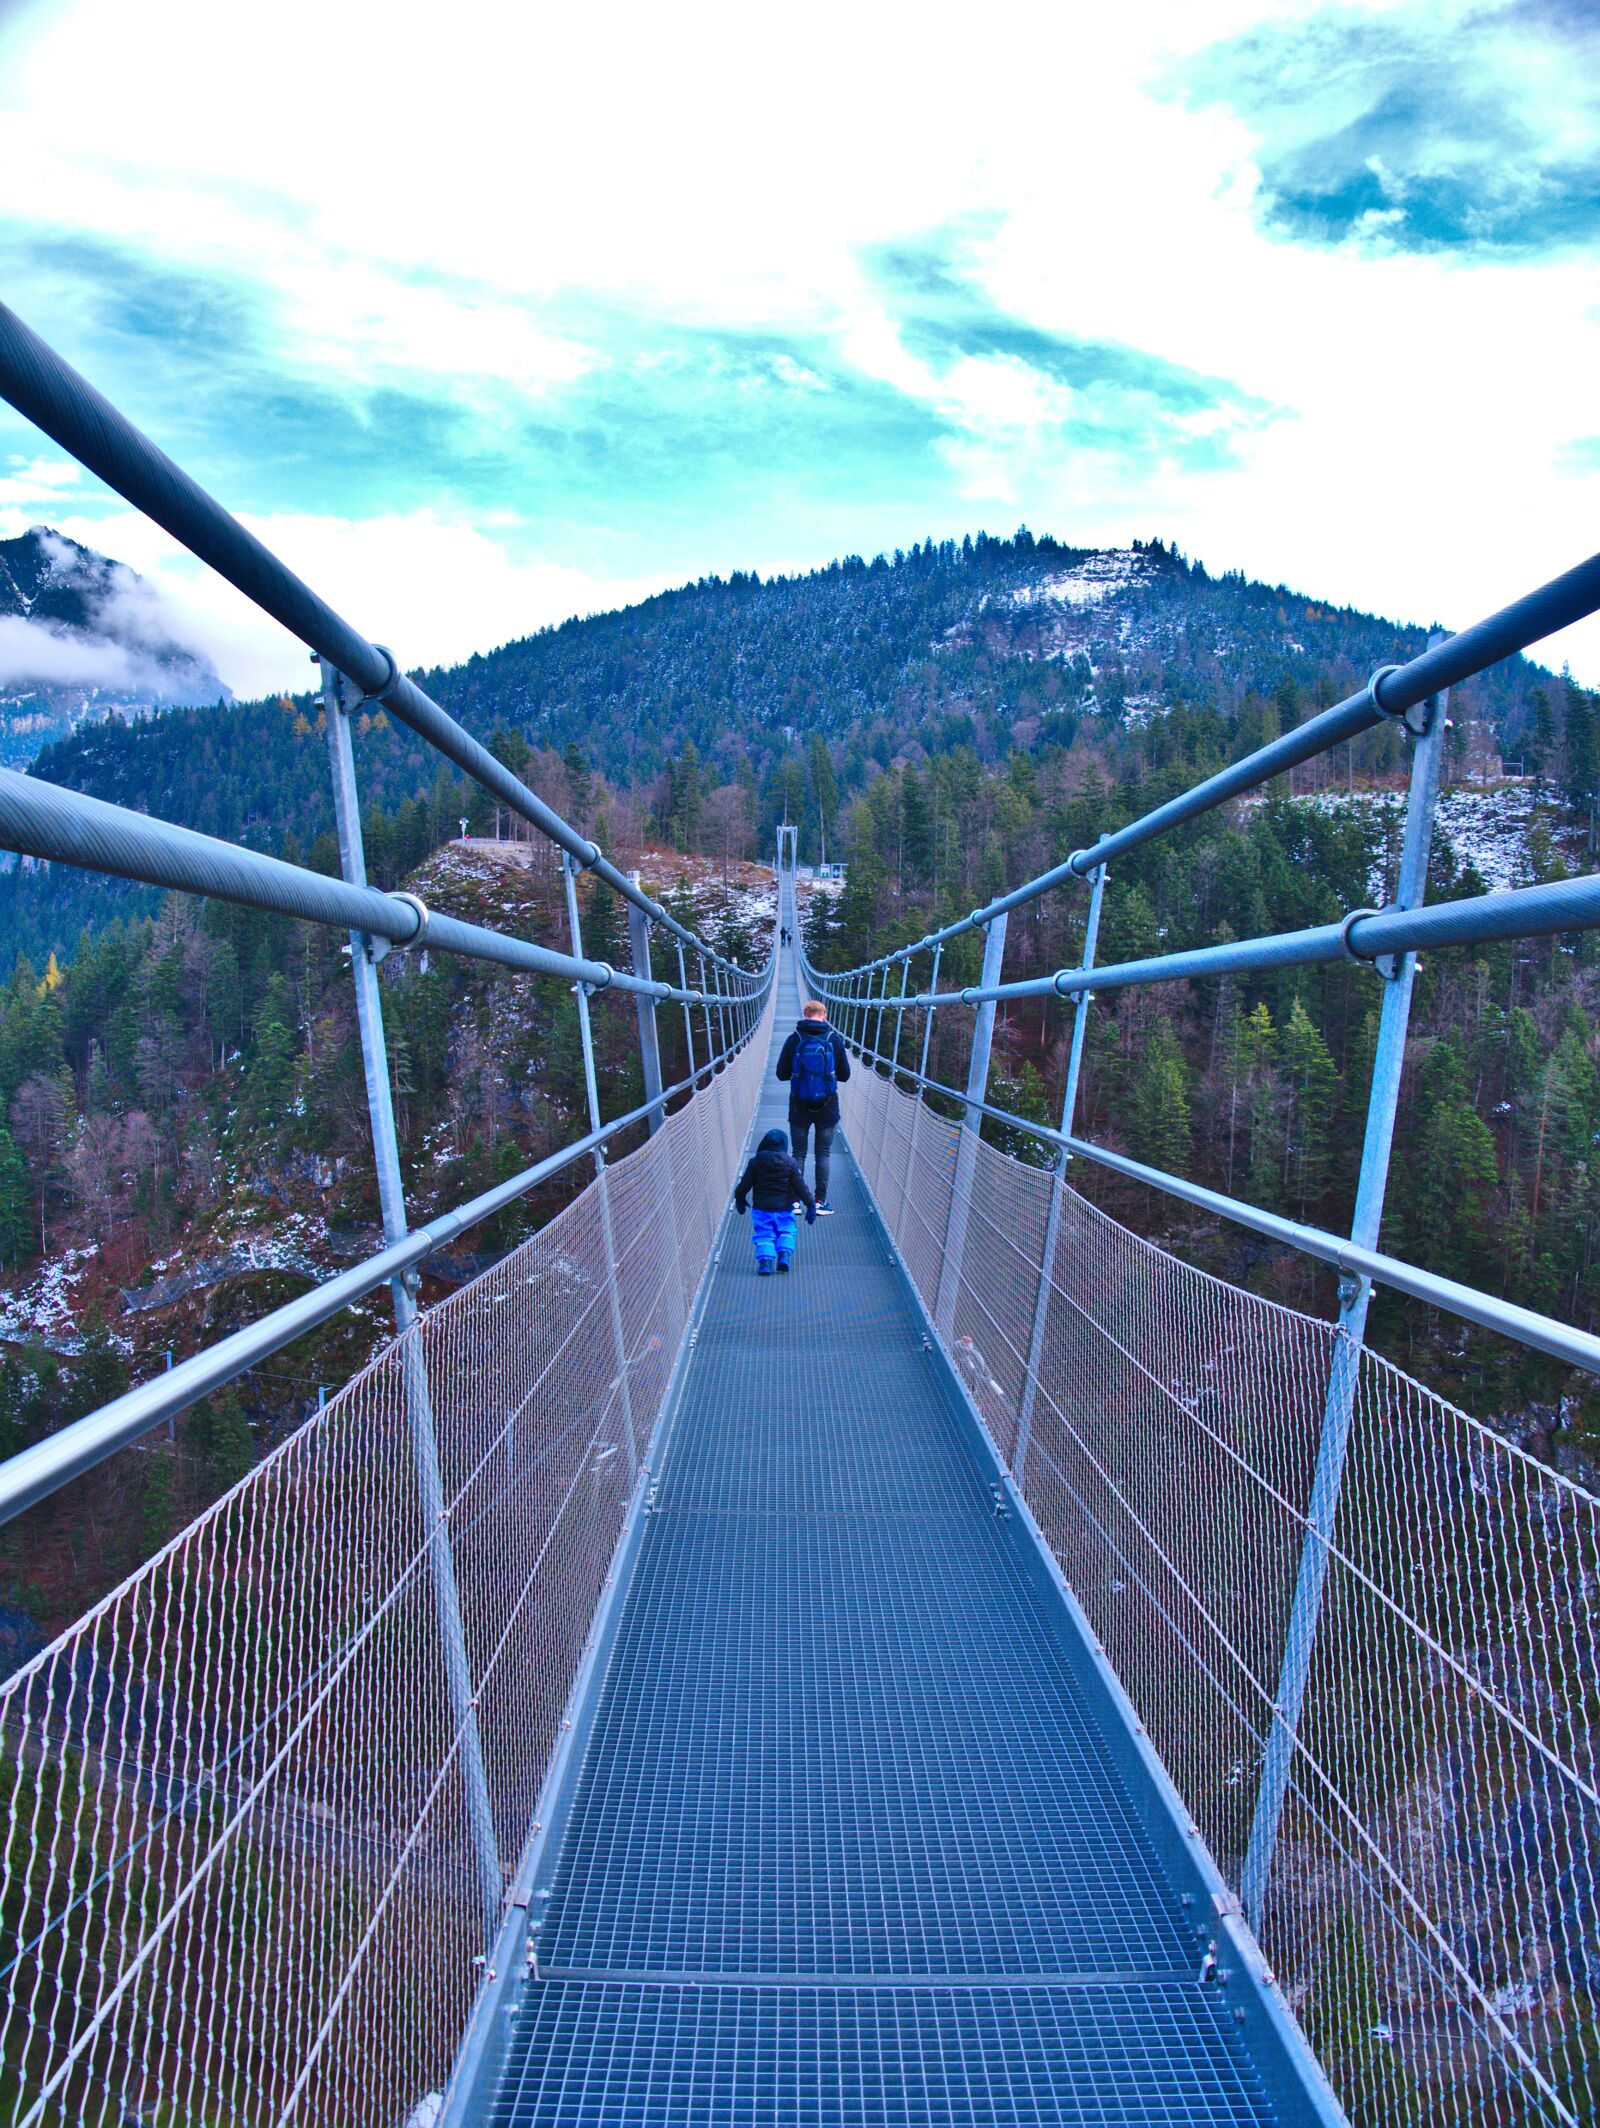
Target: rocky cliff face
[{"x": 82, "y": 637}]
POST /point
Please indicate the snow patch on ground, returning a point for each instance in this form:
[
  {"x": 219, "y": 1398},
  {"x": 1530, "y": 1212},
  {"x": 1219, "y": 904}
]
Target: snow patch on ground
[
  {"x": 1487, "y": 829},
  {"x": 1086, "y": 583},
  {"x": 47, "y": 1306},
  {"x": 1138, "y": 710}
]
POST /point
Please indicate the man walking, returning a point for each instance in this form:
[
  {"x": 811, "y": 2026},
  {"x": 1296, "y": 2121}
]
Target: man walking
[{"x": 814, "y": 1061}]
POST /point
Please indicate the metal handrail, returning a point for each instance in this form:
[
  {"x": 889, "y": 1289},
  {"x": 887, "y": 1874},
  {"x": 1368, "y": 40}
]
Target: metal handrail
[
  {"x": 51, "y": 394},
  {"x": 1365, "y": 936},
  {"x": 1563, "y": 1341},
  {"x": 42, "y": 819}
]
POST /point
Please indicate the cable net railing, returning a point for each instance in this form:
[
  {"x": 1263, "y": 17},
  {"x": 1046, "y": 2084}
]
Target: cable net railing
[
  {"x": 1433, "y": 1903},
  {"x": 241, "y": 1879}
]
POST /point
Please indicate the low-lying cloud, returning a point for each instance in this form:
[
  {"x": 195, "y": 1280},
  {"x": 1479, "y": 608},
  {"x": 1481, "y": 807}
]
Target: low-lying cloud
[
  {"x": 123, "y": 635},
  {"x": 33, "y": 655}
]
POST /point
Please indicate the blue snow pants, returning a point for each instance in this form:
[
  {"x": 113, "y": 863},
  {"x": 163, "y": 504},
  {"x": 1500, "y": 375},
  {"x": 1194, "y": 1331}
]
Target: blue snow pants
[{"x": 774, "y": 1238}]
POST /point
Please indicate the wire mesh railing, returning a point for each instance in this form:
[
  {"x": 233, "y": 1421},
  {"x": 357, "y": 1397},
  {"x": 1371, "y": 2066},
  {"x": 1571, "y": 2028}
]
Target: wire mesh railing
[
  {"x": 1432, "y": 1906},
  {"x": 242, "y": 1878}
]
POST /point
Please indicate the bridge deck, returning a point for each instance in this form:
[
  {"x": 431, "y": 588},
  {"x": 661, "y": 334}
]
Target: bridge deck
[{"x": 849, "y": 1844}]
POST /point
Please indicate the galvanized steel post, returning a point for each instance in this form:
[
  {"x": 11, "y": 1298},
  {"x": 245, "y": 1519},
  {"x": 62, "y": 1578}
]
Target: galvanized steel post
[
  {"x": 922, "y": 1076},
  {"x": 1052, "y": 1229},
  {"x": 899, "y": 1019},
  {"x": 877, "y": 1029},
  {"x": 340, "y": 700},
  {"x": 649, "y": 1038},
  {"x": 955, "y": 1233},
  {"x": 723, "y": 985},
  {"x": 1355, "y": 1296},
  {"x": 688, "y": 1017},
  {"x": 711, "y": 1040},
  {"x": 927, "y": 1017},
  {"x": 608, "y": 1242}
]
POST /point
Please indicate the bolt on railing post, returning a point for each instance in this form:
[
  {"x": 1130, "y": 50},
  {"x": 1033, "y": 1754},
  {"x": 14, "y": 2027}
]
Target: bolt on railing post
[
  {"x": 1355, "y": 1296},
  {"x": 1052, "y": 1227},
  {"x": 434, "y": 1513},
  {"x": 608, "y": 1242},
  {"x": 649, "y": 1037},
  {"x": 955, "y": 1233}
]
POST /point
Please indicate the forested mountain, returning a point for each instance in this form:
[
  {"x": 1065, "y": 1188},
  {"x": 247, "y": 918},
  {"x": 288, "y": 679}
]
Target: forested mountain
[
  {"x": 178, "y": 1087},
  {"x": 702, "y": 703}
]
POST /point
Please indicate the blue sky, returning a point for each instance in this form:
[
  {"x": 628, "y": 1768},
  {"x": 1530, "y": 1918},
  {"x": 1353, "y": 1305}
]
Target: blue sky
[{"x": 490, "y": 316}]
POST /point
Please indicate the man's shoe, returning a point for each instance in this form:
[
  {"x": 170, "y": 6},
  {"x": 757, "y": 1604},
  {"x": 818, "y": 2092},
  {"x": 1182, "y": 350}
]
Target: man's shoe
[{"x": 824, "y": 1209}]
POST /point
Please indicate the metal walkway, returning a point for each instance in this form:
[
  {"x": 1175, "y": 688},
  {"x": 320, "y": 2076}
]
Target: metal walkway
[{"x": 850, "y": 1843}]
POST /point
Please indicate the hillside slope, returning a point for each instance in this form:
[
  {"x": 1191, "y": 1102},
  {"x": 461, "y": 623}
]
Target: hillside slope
[{"x": 1009, "y": 644}]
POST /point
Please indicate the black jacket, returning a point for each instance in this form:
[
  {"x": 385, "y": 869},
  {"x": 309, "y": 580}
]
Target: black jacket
[
  {"x": 815, "y": 1111},
  {"x": 772, "y": 1178}
]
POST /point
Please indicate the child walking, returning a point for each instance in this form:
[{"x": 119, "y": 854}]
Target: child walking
[{"x": 776, "y": 1185}]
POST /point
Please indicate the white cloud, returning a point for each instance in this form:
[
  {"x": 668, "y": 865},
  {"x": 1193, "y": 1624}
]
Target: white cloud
[
  {"x": 731, "y": 166},
  {"x": 39, "y": 482},
  {"x": 32, "y": 655}
]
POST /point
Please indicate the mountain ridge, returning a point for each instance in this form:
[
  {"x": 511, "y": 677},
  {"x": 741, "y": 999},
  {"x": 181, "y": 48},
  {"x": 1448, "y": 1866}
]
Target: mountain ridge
[{"x": 999, "y": 646}]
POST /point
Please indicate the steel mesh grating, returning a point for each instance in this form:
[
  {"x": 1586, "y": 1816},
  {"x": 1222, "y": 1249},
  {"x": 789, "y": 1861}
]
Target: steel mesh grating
[{"x": 848, "y": 1845}]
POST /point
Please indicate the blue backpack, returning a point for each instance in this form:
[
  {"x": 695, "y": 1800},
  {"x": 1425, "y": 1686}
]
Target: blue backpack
[{"x": 814, "y": 1076}]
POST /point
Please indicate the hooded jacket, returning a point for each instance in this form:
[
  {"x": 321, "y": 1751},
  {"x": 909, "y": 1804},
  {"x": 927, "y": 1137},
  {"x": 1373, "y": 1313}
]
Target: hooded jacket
[
  {"x": 815, "y": 1111},
  {"x": 772, "y": 1178}
]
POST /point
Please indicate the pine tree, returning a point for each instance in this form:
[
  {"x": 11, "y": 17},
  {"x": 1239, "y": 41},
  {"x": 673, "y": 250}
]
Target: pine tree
[
  {"x": 1583, "y": 753},
  {"x": 16, "y": 1205},
  {"x": 1252, "y": 1103},
  {"x": 270, "y": 1078},
  {"x": 156, "y": 1501},
  {"x": 1311, "y": 1084},
  {"x": 1454, "y": 1173},
  {"x": 916, "y": 831},
  {"x": 824, "y": 791},
  {"x": 816, "y": 927},
  {"x": 686, "y": 795},
  {"x": 1158, "y": 1121},
  {"x": 580, "y": 785},
  {"x": 602, "y": 935},
  {"x": 218, "y": 1433}
]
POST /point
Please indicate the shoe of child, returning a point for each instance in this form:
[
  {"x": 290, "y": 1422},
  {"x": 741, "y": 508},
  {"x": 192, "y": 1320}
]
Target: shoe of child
[
  {"x": 784, "y": 1264},
  {"x": 763, "y": 1270}
]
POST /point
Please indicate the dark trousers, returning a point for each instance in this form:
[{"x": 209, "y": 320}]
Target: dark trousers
[{"x": 800, "y": 1128}]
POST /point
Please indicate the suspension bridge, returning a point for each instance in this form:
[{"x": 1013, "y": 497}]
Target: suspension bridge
[{"x": 999, "y": 1674}]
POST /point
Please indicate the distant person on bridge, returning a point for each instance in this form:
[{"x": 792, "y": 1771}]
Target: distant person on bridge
[
  {"x": 814, "y": 1062},
  {"x": 777, "y": 1185}
]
